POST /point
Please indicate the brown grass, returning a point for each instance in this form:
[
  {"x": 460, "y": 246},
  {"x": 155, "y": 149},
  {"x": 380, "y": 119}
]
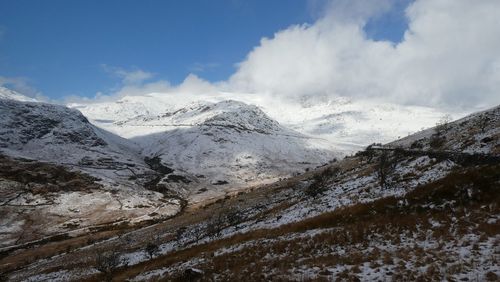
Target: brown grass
[{"x": 470, "y": 189}]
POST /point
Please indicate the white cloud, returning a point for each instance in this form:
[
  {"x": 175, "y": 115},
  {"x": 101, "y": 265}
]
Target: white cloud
[
  {"x": 449, "y": 56},
  {"x": 192, "y": 86},
  {"x": 143, "y": 88},
  {"x": 128, "y": 77}
]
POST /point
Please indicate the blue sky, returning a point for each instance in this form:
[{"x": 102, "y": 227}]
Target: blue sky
[{"x": 60, "y": 46}]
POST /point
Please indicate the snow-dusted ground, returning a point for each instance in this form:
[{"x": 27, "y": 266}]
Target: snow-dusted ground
[
  {"x": 474, "y": 259},
  {"x": 475, "y": 133}
]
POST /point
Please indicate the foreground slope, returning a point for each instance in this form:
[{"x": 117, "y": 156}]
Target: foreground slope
[
  {"x": 399, "y": 211},
  {"x": 416, "y": 209}
]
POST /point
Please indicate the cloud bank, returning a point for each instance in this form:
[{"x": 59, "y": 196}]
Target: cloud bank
[{"x": 450, "y": 55}]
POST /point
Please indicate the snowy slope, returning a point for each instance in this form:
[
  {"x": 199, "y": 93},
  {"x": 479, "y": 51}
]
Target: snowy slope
[
  {"x": 475, "y": 133},
  {"x": 61, "y": 135},
  {"x": 122, "y": 109},
  {"x": 230, "y": 142},
  {"x": 353, "y": 124}
]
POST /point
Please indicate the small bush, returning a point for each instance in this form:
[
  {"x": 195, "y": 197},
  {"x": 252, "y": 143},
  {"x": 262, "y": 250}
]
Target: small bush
[
  {"x": 437, "y": 141},
  {"x": 320, "y": 182},
  {"x": 152, "y": 249},
  {"x": 385, "y": 167},
  {"x": 107, "y": 262},
  {"x": 443, "y": 125},
  {"x": 491, "y": 276}
]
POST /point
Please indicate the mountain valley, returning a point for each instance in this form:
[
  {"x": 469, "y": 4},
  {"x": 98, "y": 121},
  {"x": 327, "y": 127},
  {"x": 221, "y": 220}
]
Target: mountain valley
[{"x": 218, "y": 190}]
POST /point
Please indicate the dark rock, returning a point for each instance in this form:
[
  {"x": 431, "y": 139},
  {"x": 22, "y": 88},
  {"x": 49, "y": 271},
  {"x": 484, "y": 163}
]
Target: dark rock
[
  {"x": 220, "y": 182},
  {"x": 177, "y": 179},
  {"x": 155, "y": 164}
]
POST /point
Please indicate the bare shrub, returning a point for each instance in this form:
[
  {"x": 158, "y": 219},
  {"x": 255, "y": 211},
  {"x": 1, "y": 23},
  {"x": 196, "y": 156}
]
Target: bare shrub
[
  {"x": 437, "y": 141},
  {"x": 321, "y": 181},
  {"x": 215, "y": 225},
  {"x": 152, "y": 249},
  {"x": 443, "y": 125},
  {"x": 108, "y": 262},
  {"x": 385, "y": 167},
  {"x": 482, "y": 122}
]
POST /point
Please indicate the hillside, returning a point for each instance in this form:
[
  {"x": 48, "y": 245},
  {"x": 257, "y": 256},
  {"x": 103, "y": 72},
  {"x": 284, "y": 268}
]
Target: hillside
[
  {"x": 229, "y": 144},
  {"x": 58, "y": 134},
  {"x": 213, "y": 147},
  {"x": 46, "y": 150},
  {"x": 413, "y": 209}
]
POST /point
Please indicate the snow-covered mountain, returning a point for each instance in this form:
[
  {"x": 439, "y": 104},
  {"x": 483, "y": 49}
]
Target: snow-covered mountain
[
  {"x": 243, "y": 139},
  {"x": 203, "y": 147},
  {"x": 211, "y": 141},
  {"x": 61, "y": 174},
  {"x": 228, "y": 142},
  {"x": 216, "y": 145},
  {"x": 349, "y": 125},
  {"x": 61, "y": 135}
]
